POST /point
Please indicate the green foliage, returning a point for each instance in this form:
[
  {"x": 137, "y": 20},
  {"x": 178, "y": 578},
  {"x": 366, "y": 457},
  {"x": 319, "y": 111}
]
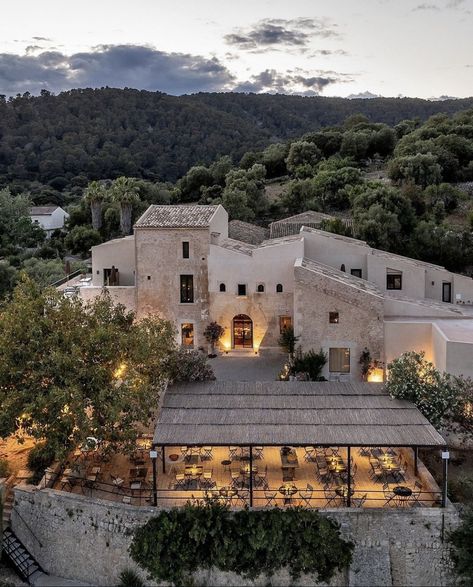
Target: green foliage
[
  {"x": 302, "y": 155},
  {"x": 81, "y": 238},
  {"x": 40, "y": 457},
  {"x": 287, "y": 340},
  {"x": 243, "y": 195},
  {"x": 310, "y": 362},
  {"x": 365, "y": 362},
  {"x": 461, "y": 541},
  {"x": 178, "y": 542},
  {"x": 422, "y": 169},
  {"x": 69, "y": 370},
  {"x": 188, "y": 365},
  {"x": 16, "y": 228},
  {"x": 441, "y": 397},
  {"x": 130, "y": 578},
  {"x": 461, "y": 489},
  {"x": 4, "y": 468}
]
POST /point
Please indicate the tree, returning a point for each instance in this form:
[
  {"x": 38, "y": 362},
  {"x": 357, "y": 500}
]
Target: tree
[
  {"x": 46, "y": 272},
  {"x": 16, "y": 228},
  {"x": 69, "y": 370},
  {"x": 302, "y": 153},
  {"x": 94, "y": 195},
  {"x": 213, "y": 333},
  {"x": 81, "y": 239},
  {"x": 287, "y": 341},
  {"x": 422, "y": 168},
  {"x": 413, "y": 378},
  {"x": 125, "y": 192},
  {"x": 243, "y": 195},
  {"x": 8, "y": 277}
]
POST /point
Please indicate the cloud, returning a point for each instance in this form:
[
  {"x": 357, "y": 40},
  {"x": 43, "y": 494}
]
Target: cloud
[
  {"x": 115, "y": 66},
  {"x": 42, "y": 39},
  {"x": 269, "y": 34},
  {"x": 296, "y": 81},
  {"x": 425, "y": 7}
]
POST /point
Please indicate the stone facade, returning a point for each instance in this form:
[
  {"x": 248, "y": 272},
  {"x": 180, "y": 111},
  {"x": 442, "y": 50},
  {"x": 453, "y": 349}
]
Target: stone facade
[
  {"x": 264, "y": 282},
  {"x": 87, "y": 539}
]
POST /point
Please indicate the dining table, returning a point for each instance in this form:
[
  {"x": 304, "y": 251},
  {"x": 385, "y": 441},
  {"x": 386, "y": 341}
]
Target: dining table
[{"x": 288, "y": 490}]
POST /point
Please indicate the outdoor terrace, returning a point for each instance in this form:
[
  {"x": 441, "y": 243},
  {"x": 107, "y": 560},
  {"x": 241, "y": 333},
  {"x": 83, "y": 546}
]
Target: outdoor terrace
[{"x": 311, "y": 444}]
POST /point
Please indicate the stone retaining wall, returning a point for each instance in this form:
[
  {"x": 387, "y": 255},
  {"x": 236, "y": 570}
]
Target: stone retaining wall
[{"x": 87, "y": 539}]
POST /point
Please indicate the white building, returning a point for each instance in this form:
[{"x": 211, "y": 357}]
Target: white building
[
  {"x": 340, "y": 294},
  {"x": 50, "y": 218}
]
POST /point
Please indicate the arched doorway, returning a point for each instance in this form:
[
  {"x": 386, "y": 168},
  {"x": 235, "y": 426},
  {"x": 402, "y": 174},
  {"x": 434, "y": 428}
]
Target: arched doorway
[{"x": 242, "y": 332}]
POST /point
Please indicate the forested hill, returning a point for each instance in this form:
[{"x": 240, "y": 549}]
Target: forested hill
[{"x": 61, "y": 142}]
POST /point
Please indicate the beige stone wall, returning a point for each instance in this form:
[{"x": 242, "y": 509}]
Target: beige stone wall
[
  {"x": 159, "y": 264},
  {"x": 87, "y": 539},
  {"x": 120, "y": 295},
  {"x": 401, "y": 337},
  {"x": 360, "y": 318},
  {"x": 118, "y": 252}
]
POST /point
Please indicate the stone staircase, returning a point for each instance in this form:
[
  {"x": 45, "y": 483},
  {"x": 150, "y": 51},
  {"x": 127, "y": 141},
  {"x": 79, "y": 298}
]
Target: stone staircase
[{"x": 14, "y": 550}]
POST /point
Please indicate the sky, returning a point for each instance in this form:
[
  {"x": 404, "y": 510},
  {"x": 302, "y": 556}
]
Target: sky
[{"x": 419, "y": 48}]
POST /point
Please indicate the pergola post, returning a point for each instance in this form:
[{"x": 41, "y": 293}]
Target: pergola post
[
  {"x": 416, "y": 460},
  {"x": 349, "y": 477},
  {"x": 445, "y": 457},
  {"x": 251, "y": 476},
  {"x": 153, "y": 453},
  {"x": 164, "y": 461}
]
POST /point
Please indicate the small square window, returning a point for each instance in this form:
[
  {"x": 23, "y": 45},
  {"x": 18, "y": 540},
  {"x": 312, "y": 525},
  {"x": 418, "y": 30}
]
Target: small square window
[
  {"x": 260, "y": 288},
  {"x": 333, "y": 317},
  {"x": 185, "y": 250},
  {"x": 394, "y": 281},
  {"x": 279, "y": 288},
  {"x": 242, "y": 289},
  {"x": 148, "y": 277},
  {"x": 222, "y": 287},
  {"x": 284, "y": 323},
  {"x": 357, "y": 273}
]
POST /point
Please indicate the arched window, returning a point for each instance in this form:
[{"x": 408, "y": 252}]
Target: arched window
[
  {"x": 222, "y": 287},
  {"x": 279, "y": 288},
  {"x": 260, "y": 288}
]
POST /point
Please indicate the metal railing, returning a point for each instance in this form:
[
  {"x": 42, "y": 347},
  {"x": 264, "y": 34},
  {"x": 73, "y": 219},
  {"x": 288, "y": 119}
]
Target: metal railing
[{"x": 242, "y": 497}]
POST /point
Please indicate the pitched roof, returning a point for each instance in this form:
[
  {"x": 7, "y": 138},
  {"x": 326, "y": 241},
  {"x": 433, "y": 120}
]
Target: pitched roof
[
  {"x": 42, "y": 210},
  {"x": 246, "y": 232},
  {"x": 292, "y": 413},
  {"x": 176, "y": 217}
]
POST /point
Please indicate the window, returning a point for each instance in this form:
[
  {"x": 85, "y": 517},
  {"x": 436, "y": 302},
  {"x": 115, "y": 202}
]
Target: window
[
  {"x": 222, "y": 287},
  {"x": 339, "y": 360},
  {"x": 357, "y": 273},
  {"x": 284, "y": 322},
  {"x": 185, "y": 250},
  {"x": 260, "y": 288},
  {"x": 333, "y": 317},
  {"x": 187, "y": 289},
  {"x": 394, "y": 281},
  {"x": 187, "y": 334},
  {"x": 242, "y": 289},
  {"x": 279, "y": 288}
]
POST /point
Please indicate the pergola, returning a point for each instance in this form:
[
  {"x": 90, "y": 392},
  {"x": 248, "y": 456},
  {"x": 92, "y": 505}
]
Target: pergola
[{"x": 296, "y": 414}]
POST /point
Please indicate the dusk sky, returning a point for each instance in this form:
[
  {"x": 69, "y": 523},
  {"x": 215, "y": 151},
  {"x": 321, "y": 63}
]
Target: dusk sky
[{"x": 333, "y": 48}]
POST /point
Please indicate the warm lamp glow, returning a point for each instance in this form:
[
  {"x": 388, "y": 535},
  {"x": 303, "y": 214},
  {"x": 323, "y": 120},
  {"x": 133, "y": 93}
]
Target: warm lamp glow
[
  {"x": 376, "y": 376},
  {"x": 119, "y": 372}
]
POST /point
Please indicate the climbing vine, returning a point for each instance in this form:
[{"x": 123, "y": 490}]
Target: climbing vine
[{"x": 178, "y": 542}]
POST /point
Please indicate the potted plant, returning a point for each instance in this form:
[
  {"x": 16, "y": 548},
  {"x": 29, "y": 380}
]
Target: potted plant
[{"x": 213, "y": 333}]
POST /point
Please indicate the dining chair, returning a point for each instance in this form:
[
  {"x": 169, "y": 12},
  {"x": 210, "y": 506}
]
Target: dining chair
[
  {"x": 306, "y": 495},
  {"x": 270, "y": 498},
  {"x": 180, "y": 481},
  {"x": 309, "y": 454},
  {"x": 232, "y": 452},
  {"x": 331, "y": 497},
  {"x": 207, "y": 453},
  {"x": 243, "y": 497},
  {"x": 258, "y": 452},
  {"x": 388, "y": 496},
  {"x": 359, "y": 501}
]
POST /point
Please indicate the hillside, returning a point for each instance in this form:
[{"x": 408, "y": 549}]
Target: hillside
[{"x": 56, "y": 144}]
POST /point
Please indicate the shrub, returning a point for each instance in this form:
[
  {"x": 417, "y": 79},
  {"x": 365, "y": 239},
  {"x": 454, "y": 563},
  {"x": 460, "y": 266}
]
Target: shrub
[
  {"x": 4, "y": 468},
  {"x": 130, "y": 578},
  {"x": 461, "y": 490},
  {"x": 213, "y": 333},
  {"x": 180, "y": 541},
  {"x": 461, "y": 540},
  {"x": 288, "y": 340},
  {"x": 39, "y": 458},
  {"x": 188, "y": 365},
  {"x": 311, "y": 363}
]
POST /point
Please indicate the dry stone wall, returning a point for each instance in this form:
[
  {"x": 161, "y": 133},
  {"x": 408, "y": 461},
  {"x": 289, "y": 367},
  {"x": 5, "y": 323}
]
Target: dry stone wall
[{"x": 87, "y": 539}]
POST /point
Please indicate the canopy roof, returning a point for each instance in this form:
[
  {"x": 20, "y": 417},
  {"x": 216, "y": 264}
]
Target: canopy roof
[{"x": 274, "y": 413}]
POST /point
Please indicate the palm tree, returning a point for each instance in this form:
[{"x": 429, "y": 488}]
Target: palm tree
[
  {"x": 125, "y": 192},
  {"x": 94, "y": 195}
]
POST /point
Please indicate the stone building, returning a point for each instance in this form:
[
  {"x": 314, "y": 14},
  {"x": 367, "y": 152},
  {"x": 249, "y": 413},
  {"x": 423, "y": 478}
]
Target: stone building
[{"x": 339, "y": 294}]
